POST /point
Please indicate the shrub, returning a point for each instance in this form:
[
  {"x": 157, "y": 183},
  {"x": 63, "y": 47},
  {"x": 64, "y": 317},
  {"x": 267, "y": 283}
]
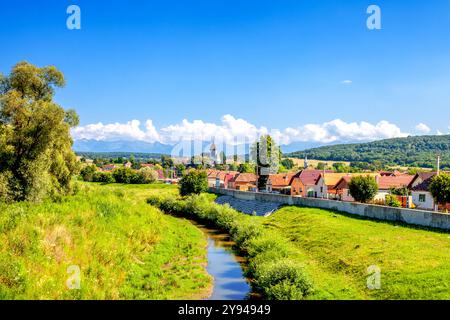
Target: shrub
[
  {"x": 363, "y": 188},
  {"x": 392, "y": 201},
  {"x": 283, "y": 280},
  {"x": 440, "y": 188},
  {"x": 123, "y": 175},
  {"x": 104, "y": 177},
  {"x": 87, "y": 173},
  {"x": 148, "y": 175},
  {"x": 275, "y": 275},
  {"x": 193, "y": 182}
]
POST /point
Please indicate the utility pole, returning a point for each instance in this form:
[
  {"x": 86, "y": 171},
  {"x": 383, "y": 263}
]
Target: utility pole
[{"x": 438, "y": 164}]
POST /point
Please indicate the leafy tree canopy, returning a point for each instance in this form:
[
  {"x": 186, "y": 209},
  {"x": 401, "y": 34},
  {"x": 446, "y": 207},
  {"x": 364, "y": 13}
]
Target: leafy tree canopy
[
  {"x": 36, "y": 157},
  {"x": 363, "y": 188}
]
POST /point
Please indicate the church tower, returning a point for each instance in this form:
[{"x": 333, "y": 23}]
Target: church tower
[{"x": 306, "y": 164}]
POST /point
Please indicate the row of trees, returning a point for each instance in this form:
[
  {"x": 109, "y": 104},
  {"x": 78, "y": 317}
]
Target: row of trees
[{"x": 120, "y": 175}]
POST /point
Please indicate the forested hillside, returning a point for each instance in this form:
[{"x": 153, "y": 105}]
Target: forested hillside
[{"x": 419, "y": 151}]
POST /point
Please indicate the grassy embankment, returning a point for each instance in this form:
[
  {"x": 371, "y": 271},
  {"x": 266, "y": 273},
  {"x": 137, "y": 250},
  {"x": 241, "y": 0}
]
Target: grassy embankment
[
  {"x": 338, "y": 248},
  {"x": 125, "y": 248},
  {"x": 334, "y": 249}
]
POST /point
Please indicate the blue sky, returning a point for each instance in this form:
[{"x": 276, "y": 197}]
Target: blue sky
[{"x": 276, "y": 64}]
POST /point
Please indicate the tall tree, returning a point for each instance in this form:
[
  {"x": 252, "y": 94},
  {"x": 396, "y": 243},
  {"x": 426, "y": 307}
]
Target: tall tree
[
  {"x": 36, "y": 157},
  {"x": 267, "y": 156},
  {"x": 440, "y": 188}
]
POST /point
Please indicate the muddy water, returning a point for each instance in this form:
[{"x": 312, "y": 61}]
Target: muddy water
[{"x": 225, "y": 266}]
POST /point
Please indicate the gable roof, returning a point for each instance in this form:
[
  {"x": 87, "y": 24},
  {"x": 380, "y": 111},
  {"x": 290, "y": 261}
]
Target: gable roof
[
  {"x": 331, "y": 178},
  {"x": 343, "y": 182},
  {"x": 308, "y": 177},
  {"x": 425, "y": 178},
  {"x": 387, "y": 182},
  {"x": 245, "y": 177},
  {"x": 281, "y": 180}
]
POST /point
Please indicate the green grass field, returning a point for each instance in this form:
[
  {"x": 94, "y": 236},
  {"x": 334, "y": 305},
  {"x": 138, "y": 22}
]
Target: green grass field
[
  {"x": 337, "y": 250},
  {"x": 124, "y": 248}
]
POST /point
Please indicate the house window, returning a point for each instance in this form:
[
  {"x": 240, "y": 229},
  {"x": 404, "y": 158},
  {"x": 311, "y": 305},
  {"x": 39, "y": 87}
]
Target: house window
[
  {"x": 422, "y": 198},
  {"x": 321, "y": 189},
  {"x": 348, "y": 193}
]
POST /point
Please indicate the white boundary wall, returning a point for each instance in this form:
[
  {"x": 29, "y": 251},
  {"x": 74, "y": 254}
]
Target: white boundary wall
[{"x": 410, "y": 216}]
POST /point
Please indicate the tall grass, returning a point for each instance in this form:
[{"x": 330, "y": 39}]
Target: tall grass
[
  {"x": 275, "y": 275},
  {"x": 124, "y": 248}
]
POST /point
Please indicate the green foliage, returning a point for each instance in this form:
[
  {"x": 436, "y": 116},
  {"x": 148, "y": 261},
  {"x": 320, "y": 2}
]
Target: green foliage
[
  {"x": 440, "y": 188},
  {"x": 275, "y": 274},
  {"x": 36, "y": 157},
  {"x": 419, "y": 151},
  {"x": 148, "y": 175},
  {"x": 363, "y": 188},
  {"x": 283, "y": 280},
  {"x": 87, "y": 173},
  {"x": 288, "y": 163},
  {"x": 193, "y": 182},
  {"x": 125, "y": 248},
  {"x": 337, "y": 248},
  {"x": 404, "y": 191},
  {"x": 103, "y": 177},
  {"x": 392, "y": 201}
]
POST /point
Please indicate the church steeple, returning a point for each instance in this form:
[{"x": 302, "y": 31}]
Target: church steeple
[{"x": 306, "y": 164}]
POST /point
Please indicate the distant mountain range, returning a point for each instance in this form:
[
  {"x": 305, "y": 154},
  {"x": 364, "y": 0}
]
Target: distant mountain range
[
  {"x": 418, "y": 151},
  {"x": 121, "y": 146},
  {"x": 156, "y": 147}
]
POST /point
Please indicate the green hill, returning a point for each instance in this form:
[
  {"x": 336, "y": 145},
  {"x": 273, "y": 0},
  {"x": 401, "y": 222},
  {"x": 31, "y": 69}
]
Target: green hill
[{"x": 418, "y": 151}]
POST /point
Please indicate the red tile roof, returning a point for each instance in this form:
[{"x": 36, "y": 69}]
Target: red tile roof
[
  {"x": 245, "y": 177},
  {"x": 387, "y": 182},
  {"x": 281, "y": 180},
  {"x": 309, "y": 177}
]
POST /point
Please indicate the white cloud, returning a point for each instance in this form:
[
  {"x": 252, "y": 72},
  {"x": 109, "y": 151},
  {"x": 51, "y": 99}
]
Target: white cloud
[
  {"x": 233, "y": 130},
  {"x": 423, "y": 128},
  {"x": 347, "y": 82},
  {"x": 117, "y": 131}
]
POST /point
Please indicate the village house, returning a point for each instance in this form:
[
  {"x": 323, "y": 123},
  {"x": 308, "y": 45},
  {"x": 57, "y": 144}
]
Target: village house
[
  {"x": 304, "y": 183},
  {"x": 128, "y": 164},
  {"x": 280, "y": 182},
  {"x": 419, "y": 186},
  {"x": 341, "y": 190},
  {"x": 108, "y": 168},
  {"x": 243, "y": 182},
  {"x": 325, "y": 184},
  {"x": 223, "y": 178},
  {"x": 386, "y": 183}
]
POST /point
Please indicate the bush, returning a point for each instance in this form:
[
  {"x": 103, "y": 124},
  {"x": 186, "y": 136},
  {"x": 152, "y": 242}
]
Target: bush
[
  {"x": 123, "y": 175},
  {"x": 104, "y": 177},
  {"x": 148, "y": 175},
  {"x": 275, "y": 275},
  {"x": 363, "y": 188},
  {"x": 283, "y": 280},
  {"x": 87, "y": 173},
  {"x": 440, "y": 188},
  {"x": 193, "y": 182},
  {"x": 392, "y": 201}
]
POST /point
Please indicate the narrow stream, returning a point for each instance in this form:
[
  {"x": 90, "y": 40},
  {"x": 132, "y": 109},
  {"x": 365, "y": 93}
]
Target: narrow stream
[{"x": 225, "y": 266}]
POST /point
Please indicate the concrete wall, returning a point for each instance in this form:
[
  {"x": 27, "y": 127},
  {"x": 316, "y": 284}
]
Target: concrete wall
[{"x": 410, "y": 216}]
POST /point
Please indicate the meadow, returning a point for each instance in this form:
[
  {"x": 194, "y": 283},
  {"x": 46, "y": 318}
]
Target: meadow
[
  {"x": 318, "y": 254},
  {"x": 124, "y": 248},
  {"x": 337, "y": 250}
]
